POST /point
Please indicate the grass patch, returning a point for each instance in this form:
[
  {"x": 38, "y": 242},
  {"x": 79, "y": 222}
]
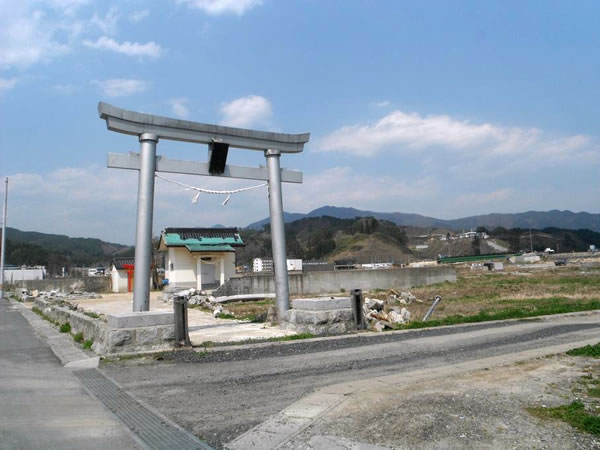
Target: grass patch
[
  {"x": 87, "y": 345},
  {"x": 574, "y": 414},
  {"x": 91, "y": 314},
  {"x": 65, "y": 328},
  {"x": 40, "y": 313},
  {"x": 293, "y": 337},
  {"x": 592, "y": 351},
  {"x": 227, "y": 316},
  {"x": 78, "y": 337},
  {"x": 594, "y": 392},
  {"x": 254, "y": 311},
  {"x": 533, "y": 307}
]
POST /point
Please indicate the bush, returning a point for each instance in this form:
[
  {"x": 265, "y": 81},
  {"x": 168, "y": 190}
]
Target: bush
[
  {"x": 88, "y": 344},
  {"x": 65, "y": 327},
  {"x": 78, "y": 337}
]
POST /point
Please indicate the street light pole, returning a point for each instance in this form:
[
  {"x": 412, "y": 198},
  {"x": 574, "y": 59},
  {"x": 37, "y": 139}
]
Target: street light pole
[{"x": 3, "y": 251}]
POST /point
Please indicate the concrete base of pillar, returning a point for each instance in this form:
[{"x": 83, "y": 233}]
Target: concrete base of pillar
[{"x": 319, "y": 316}]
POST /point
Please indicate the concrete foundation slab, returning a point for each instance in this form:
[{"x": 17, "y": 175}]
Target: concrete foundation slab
[
  {"x": 140, "y": 319},
  {"x": 321, "y": 303}
]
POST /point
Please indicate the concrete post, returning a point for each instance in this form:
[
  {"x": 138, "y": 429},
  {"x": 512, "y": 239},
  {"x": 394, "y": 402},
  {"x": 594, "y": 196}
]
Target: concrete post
[
  {"x": 357, "y": 309},
  {"x": 143, "y": 234},
  {"x": 222, "y": 278},
  {"x": 3, "y": 251},
  {"x": 282, "y": 290},
  {"x": 199, "y": 273}
]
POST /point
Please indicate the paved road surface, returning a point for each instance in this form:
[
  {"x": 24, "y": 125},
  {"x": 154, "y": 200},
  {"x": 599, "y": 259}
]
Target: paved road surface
[
  {"x": 220, "y": 395},
  {"x": 42, "y": 405}
]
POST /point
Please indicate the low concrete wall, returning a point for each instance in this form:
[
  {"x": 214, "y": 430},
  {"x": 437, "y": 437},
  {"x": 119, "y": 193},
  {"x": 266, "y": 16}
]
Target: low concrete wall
[
  {"x": 85, "y": 284},
  {"x": 109, "y": 340},
  {"x": 336, "y": 281}
]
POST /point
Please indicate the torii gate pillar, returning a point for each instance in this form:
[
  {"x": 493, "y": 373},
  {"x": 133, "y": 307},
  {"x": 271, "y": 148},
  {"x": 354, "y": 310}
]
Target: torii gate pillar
[
  {"x": 143, "y": 230},
  {"x": 282, "y": 289}
]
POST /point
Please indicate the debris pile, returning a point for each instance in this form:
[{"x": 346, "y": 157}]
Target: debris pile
[
  {"x": 381, "y": 314},
  {"x": 55, "y": 294},
  {"x": 200, "y": 298}
]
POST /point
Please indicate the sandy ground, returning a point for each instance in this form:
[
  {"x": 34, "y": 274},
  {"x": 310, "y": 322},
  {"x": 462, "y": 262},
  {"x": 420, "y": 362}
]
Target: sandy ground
[
  {"x": 482, "y": 409},
  {"x": 203, "y": 327}
]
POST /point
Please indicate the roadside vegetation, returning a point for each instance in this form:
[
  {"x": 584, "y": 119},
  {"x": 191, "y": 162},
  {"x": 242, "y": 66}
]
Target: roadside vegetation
[
  {"x": 65, "y": 328},
  {"x": 484, "y": 296},
  {"x": 582, "y": 412},
  {"x": 254, "y": 311}
]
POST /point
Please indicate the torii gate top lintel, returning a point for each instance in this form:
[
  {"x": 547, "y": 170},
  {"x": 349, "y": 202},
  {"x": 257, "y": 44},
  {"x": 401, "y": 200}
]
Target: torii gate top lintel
[{"x": 136, "y": 123}]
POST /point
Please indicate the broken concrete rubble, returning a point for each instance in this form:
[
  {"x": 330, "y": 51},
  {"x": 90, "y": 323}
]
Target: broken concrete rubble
[
  {"x": 200, "y": 298},
  {"x": 383, "y": 314},
  {"x": 29, "y": 296}
]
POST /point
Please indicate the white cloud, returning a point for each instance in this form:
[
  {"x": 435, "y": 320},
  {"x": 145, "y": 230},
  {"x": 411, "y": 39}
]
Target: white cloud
[
  {"x": 382, "y": 104},
  {"x": 108, "y": 23},
  {"x": 458, "y": 142},
  {"x": 246, "y": 112},
  {"x": 216, "y": 7},
  {"x": 179, "y": 107},
  {"x": 485, "y": 201},
  {"x": 7, "y": 84},
  {"x": 138, "y": 16},
  {"x": 65, "y": 89},
  {"x": 121, "y": 87},
  {"x": 150, "y": 49},
  {"x": 375, "y": 193},
  {"x": 100, "y": 202},
  {"x": 31, "y": 31}
]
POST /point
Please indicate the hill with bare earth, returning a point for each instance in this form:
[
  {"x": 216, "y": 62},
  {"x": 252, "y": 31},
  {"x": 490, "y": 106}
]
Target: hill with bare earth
[
  {"x": 530, "y": 219},
  {"x": 362, "y": 239}
]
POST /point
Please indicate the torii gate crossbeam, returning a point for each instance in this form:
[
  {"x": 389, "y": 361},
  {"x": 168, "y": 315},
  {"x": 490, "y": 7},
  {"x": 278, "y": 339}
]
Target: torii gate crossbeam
[{"x": 150, "y": 128}]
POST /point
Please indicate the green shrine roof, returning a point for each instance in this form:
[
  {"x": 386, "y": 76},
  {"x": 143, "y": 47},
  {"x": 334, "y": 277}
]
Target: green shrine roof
[
  {"x": 202, "y": 239},
  {"x": 209, "y": 248}
]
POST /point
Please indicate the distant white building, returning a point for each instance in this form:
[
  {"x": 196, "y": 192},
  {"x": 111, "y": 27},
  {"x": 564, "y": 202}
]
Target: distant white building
[
  {"x": 386, "y": 265},
  {"x": 262, "y": 265},
  {"x": 12, "y": 274},
  {"x": 266, "y": 265},
  {"x": 294, "y": 265}
]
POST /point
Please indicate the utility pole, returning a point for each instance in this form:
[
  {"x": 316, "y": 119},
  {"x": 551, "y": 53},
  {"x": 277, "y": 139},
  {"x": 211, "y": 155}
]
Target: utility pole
[
  {"x": 530, "y": 241},
  {"x": 3, "y": 251}
]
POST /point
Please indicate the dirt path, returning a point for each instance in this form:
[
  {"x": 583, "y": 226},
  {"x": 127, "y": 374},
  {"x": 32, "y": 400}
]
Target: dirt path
[{"x": 481, "y": 409}]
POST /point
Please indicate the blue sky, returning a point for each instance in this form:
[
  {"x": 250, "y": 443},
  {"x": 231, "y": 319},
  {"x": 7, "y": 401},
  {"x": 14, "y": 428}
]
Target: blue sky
[{"x": 446, "y": 109}]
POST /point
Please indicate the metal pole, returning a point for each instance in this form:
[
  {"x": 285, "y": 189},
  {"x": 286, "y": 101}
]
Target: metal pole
[
  {"x": 357, "y": 309},
  {"x": 430, "y": 312},
  {"x": 3, "y": 251},
  {"x": 143, "y": 233},
  {"x": 282, "y": 290}
]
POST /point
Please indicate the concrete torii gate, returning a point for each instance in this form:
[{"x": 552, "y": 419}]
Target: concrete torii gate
[{"x": 150, "y": 128}]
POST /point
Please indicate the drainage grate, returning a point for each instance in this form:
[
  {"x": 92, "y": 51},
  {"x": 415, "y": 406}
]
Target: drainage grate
[{"x": 154, "y": 431}]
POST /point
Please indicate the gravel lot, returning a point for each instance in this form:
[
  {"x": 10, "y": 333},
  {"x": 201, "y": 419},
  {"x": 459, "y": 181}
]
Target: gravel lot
[{"x": 482, "y": 409}]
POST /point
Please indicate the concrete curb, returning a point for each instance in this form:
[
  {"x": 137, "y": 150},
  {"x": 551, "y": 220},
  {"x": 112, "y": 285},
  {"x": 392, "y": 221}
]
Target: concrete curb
[
  {"x": 283, "y": 427},
  {"x": 61, "y": 344}
]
